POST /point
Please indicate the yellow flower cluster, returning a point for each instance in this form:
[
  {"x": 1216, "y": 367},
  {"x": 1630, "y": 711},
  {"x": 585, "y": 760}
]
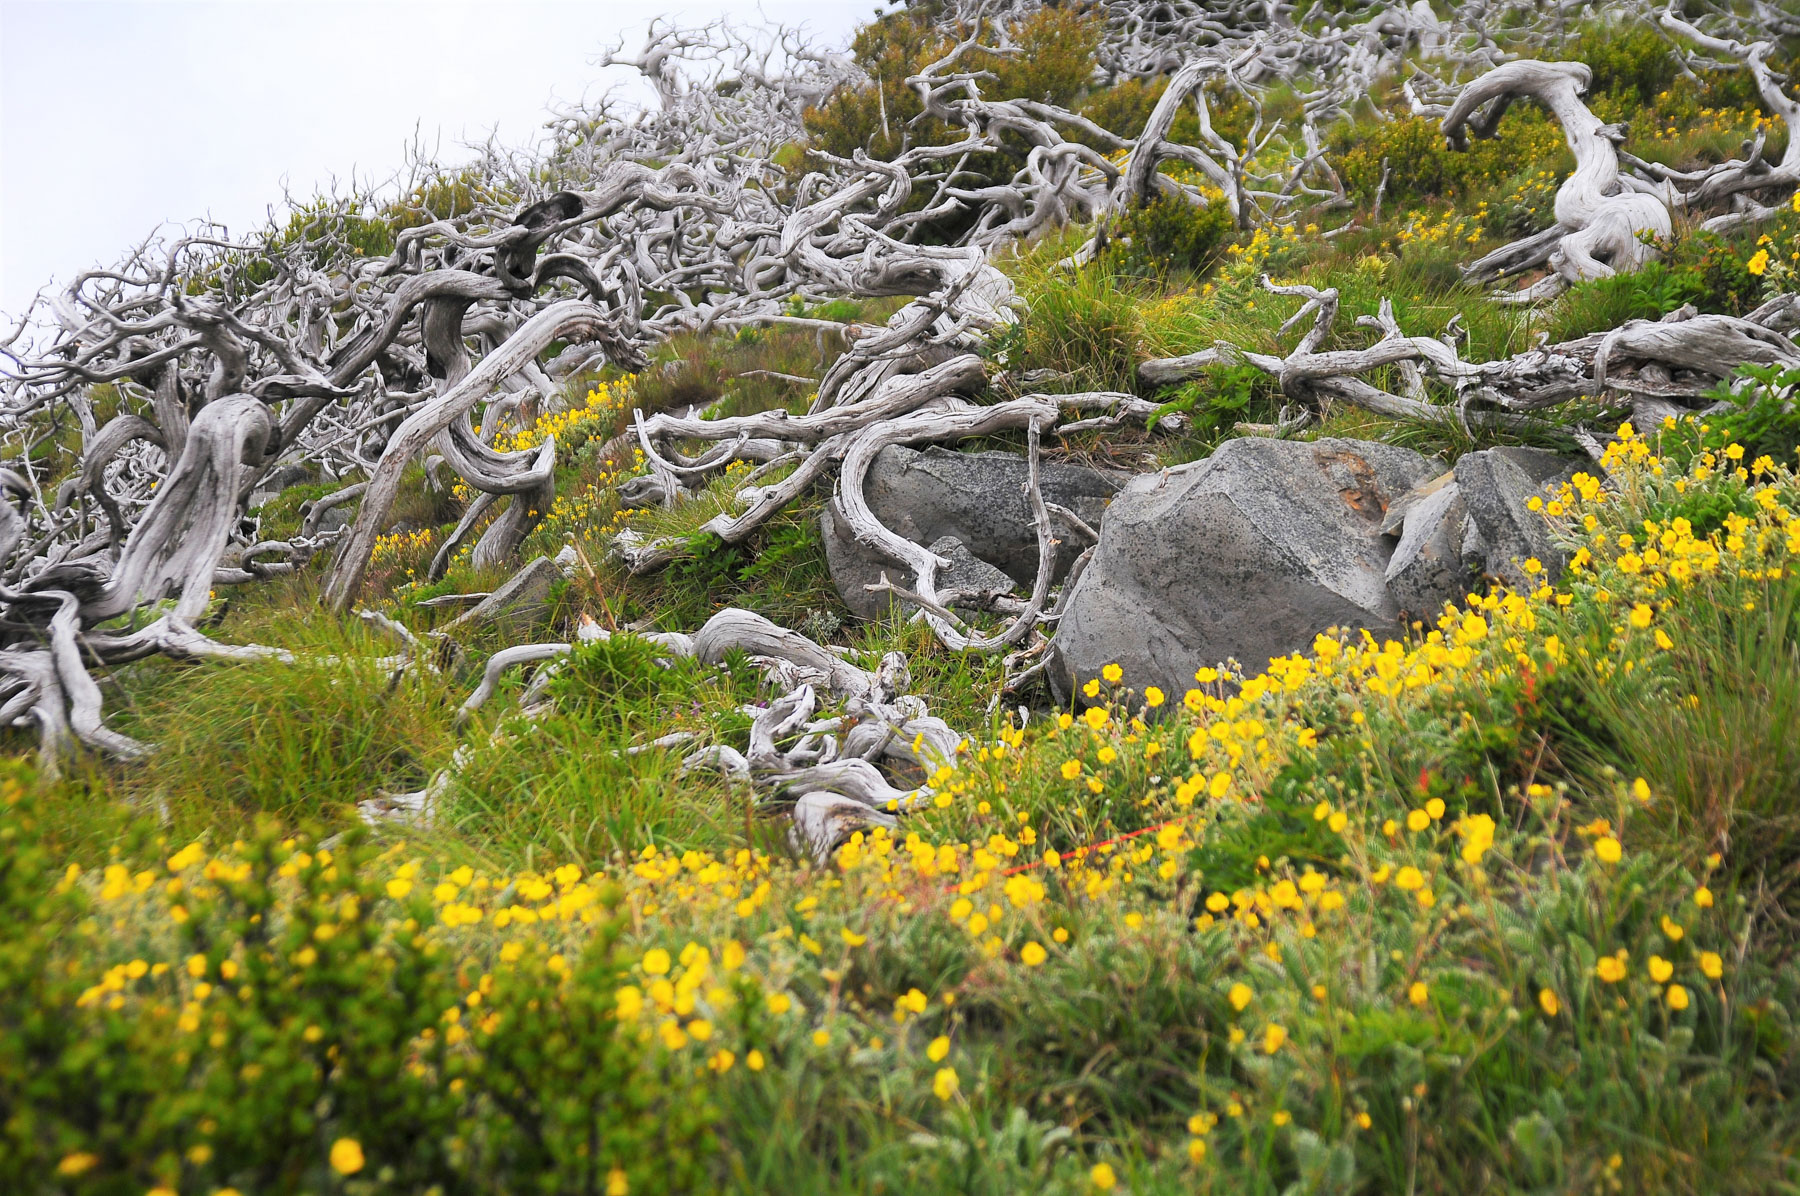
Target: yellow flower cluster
[
  {"x": 599, "y": 412},
  {"x": 1422, "y": 229}
]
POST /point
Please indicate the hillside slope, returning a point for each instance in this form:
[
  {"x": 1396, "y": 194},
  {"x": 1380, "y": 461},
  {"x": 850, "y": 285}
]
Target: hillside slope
[{"x": 1085, "y": 598}]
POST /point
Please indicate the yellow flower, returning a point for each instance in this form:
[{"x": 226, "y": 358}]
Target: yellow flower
[
  {"x": 656, "y": 962},
  {"x": 1548, "y": 1002},
  {"x": 1239, "y": 996},
  {"x": 1677, "y": 997},
  {"x": 1608, "y": 849},
  {"x": 79, "y": 1163},
  {"x": 1273, "y": 1037},
  {"x": 1711, "y": 965},
  {"x": 1611, "y": 968},
  {"x": 1032, "y": 954},
  {"x": 1409, "y": 878},
  {"x": 1113, "y": 674},
  {"x": 1640, "y": 789},
  {"x": 1418, "y": 994},
  {"x": 346, "y": 1156},
  {"x": 1641, "y": 615},
  {"x": 1417, "y": 820},
  {"x": 1660, "y": 969},
  {"x": 616, "y": 1183},
  {"x": 1153, "y": 697},
  {"x": 399, "y": 888},
  {"x": 1672, "y": 929},
  {"x": 1102, "y": 1177},
  {"x": 1703, "y": 897},
  {"x": 1758, "y": 262},
  {"x": 851, "y": 938},
  {"x": 939, "y": 1048},
  {"x": 754, "y": 1061},
  {"x": 944, "y": 1083},
  {"x": 1071, "y": 769}
]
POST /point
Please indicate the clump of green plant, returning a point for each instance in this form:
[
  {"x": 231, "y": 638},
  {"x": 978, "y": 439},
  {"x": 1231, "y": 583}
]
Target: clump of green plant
[
  {"x": 1602, "y": 304},
  {"x": 1172, "y": 233},
  {"x": 300, "y": 740},
  {"x": 1763, "y": 420},
  {"x": 290, "y": 1019}
]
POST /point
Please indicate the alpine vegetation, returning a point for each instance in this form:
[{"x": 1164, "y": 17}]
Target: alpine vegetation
[{"x": 1071, "y": 597}]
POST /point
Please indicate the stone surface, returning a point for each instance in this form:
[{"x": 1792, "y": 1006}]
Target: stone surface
[
  {"x": 1427, "y": 568},
  {"x": 968, "y": 574},
  {"x": 1246, "y": 555},
  {"x": 978, "y": 499},
  {"x": 518, "y": 607},
  {"x": 1496, "y": 484}
]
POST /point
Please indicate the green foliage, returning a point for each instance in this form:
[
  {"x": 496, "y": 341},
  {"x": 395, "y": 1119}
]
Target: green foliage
[
  {"x": 1634, "y": 63},
  {"x": 1763, "y": 419},
  {"x": 883, "y": 117},
  {"x": 1421, "y": 165},
  {"x": 1169, "y": 232},
  {"x": 1605, "y": 303},
  {"x": 1729, "y": 286},
  {"x": 780, "y": 572},
  {"x": 299, "y": 1032},
  {"x": 1084, "y": 323},
  {"x": 301, "y": 740}
]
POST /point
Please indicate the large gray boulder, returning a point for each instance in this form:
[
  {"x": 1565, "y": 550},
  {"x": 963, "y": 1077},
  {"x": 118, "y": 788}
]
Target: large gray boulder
[
  {"x": 1246, "y": 555},
  {"x": 1496, "y": 486},
  {"x": 978, "y": 499}
]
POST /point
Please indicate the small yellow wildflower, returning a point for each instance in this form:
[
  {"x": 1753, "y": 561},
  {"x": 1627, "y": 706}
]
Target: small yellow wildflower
[{"x": 346, "y": 1156}]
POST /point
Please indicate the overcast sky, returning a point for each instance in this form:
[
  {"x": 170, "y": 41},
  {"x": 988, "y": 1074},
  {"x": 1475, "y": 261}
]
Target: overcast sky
[{"x": 117, "y": 115}]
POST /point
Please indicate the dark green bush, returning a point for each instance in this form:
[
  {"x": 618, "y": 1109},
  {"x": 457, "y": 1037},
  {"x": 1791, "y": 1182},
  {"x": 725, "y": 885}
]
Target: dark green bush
[{"x": 1169, "y": 232}]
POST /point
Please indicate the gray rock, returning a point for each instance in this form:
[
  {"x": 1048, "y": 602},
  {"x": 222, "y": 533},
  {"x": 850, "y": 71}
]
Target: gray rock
[
  {"x": 1427, "y": 568},
  {"x": 520, "y": 606},
  {"x": 854, "y": 567},
  {"x": 1496, "y": 484},
  {"x": 977, "y": 499},
  {"x": 1245, "y": 555},
  {"x": 969, "y": 575}
]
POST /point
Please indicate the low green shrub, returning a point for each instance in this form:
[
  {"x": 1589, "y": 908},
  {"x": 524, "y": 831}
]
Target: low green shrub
[
  {"x": 304, "y": 1028},
  {"x": 1169, "y": 233}
]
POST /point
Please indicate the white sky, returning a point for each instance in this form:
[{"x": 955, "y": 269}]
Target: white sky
[{"x": 117, "y": 115}]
